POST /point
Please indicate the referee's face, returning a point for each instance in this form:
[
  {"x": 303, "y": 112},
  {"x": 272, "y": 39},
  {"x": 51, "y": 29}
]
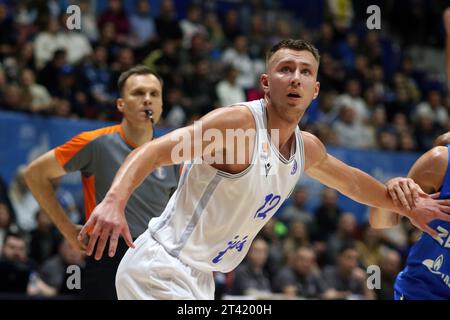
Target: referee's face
[{"x": 141, "y": 93}]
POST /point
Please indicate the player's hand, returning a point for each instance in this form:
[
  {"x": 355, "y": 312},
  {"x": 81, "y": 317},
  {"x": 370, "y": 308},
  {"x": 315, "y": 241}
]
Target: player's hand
[
  {"x": 427, "y": 209},
  {"x": 446, "y": 20},
  {"x": 107, "y": 221},
  {"x": 72, "y": 237},
  {"x": 404, "y": 192}
]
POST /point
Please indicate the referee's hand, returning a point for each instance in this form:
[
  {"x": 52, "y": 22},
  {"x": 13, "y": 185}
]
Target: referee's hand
[{"x": 106, "y": 221}]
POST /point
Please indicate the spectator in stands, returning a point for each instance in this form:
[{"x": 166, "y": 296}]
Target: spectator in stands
[
  {"x": 199, "y": 49},
  {"x": 352, "y": 99},
  {"x": 347, "y": 50},
  {"x": 23, "y": 202},
  {"x": 379, "y": 83},
  {"x": 48, "y": 76},
  {"x": 331, "y": 74},
  {"x": 15, "y": 268},
  {"x": 12, "y": 99},
  {"x": 143, "y": 29},
  {"x": 275, "y": 258},
  {"x": 432, "y": 107},
  {"x": 390, "y": 266},
  {"x": 297, "y": 210},
  {"x": 238, "y": 56},
  {"x": 371, "y": 47},
  {"x": 96, "y": 77},
  {"x": 36, "y": 96},
  {"x": 250, "y": 277},
  {"x": 400, "y": 105},
  {"x": 425, "y": 130},
  {"x": 166, "y": 61},
  {"x": 55, "y": 271},
  {"x": 7, "y": 224},
  {"x": 25, "y": 57},
  {"x": 44, "y": 240},
  {"x": 326, "y": 216},
  {"x": 47, "y": 42},
  {"x": 200, "y": 88},
  {"x": 67, "y": 201},
  {"x": 88, "y": 20},
  {"x": 346, "y": 279},
  {"x": 69, "y": 89},
  {"x": 370, "y": 246},
  {"x": 350, "y": 132},
  {"x": 122, "y": 62},
  {"x": 192, "y": 25},
  {"x": 75, "y": 42},
  {"x": 326, "y": 40},
  {"x": 327, "y": 113},
  {"x": 257, "y": 36},
  {"x": 228, "y": 90},
  {"x": 406, "y": 142},
  {"x": 297, "y": 237},
  {"x": 4, "y": 197},
  {"x": 302, "y": 279},
  {"x": 342, "y": 13},
  {"x": 115, "y": 14},
  {"x": 345, "y": 234},
  {"x": 167, "y": 25},
  {"x": 283, "y": 29},
  {"x": 177, "y": 113},
  {"x": 387, "y": 139},
  {"x": 108, "y": 39},
  {"x": 8, "y": 34},
  {"x": 231, "y": 27},
  {"x": 215, "y": 33}
]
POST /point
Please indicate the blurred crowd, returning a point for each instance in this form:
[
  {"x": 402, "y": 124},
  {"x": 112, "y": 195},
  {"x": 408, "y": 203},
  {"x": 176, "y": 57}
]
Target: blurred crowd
[{"x": 374, "y": 95}]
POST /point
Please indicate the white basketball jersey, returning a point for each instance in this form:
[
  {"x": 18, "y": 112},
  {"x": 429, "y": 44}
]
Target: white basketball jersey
[{"x": 213, "y": 216}]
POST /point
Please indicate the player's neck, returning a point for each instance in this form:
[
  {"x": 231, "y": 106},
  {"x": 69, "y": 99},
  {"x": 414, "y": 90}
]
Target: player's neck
[
  {"x": 285, "y": 126},
  {"x": 138, "y": 135}
]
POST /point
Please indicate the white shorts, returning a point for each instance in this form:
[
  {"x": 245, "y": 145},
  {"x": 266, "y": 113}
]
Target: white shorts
[{"x": 149, "y": 272}]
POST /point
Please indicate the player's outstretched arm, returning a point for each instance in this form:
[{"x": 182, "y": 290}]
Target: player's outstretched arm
[
  {"x": 39, "y": 175},
  {"x": 363, "y": 188},
  {"x": 108, "y": 218}
]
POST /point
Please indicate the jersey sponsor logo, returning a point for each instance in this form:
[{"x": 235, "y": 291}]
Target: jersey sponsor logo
[
  {"x": 294, "y": 167},
  {"x": 270, "y": 202},
  {"x": 434, "y": 266},
  {"x": 160, "y": 173},
  {"x": 443, "y": 237},
  {"x": 236, "y": 244}
]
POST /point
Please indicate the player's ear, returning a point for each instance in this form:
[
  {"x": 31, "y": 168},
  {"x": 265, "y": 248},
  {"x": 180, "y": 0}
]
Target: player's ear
[
  {"x": 264, "y": 80},
  {"x": 120, "y": 104},
  {"x": 316, "y": 90}
]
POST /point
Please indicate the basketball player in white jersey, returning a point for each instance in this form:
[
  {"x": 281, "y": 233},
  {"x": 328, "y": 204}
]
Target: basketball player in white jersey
[{"x": 219, "y": 208}]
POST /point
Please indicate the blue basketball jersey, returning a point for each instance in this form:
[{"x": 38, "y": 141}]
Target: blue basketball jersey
[{"x": 427, "y": 272}]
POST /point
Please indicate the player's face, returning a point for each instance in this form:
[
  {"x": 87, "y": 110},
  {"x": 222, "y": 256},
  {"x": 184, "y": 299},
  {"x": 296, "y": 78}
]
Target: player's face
[
  {"x": 291, "y": 80},
  {"x": 141, "y": 93}
]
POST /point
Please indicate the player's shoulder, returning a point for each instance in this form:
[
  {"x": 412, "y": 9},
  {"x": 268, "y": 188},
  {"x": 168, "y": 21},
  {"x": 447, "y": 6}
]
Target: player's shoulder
[
  {"x": 311, "y": 142},
  {"x": 436, "y": 157},
  {"x": 315, "y": 150},
  {"x": 429, "y": 170},
  {"x": 233, "y": 117}
]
